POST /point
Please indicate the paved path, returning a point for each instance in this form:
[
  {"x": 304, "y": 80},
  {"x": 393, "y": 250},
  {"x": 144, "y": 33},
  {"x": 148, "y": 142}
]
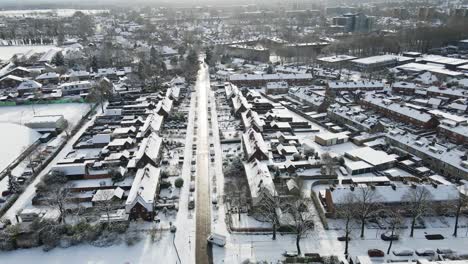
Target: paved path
[{"x": 203, "y": 216}]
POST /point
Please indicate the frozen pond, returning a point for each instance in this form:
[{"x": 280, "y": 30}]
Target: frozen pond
[{"x": 6, "y": 52}]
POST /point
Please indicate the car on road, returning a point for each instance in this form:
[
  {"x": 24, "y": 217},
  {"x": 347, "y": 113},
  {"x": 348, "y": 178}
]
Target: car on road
[
  {"x": 375, "y": 253},
  {"x": 403, "y": 252},
  {"x": 217, "y": 239},
  {"x": 192, "y": 186},
  {"x": 214, "y": 199}
]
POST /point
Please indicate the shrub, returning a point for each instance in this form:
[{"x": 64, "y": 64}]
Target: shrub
[
  {"x": 119, "y": 228},
  {"x": 165, "y": 184},
  {"x": 179, "y": 182},
  {"x": 132, "y": 238}
]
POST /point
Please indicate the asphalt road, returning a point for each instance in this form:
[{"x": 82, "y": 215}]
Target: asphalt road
[{"x": 203, "y": 207}]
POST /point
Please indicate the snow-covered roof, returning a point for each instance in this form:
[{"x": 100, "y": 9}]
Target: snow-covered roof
[
  {"x": 371, "y": 156},
  {"x": 398, "y": 108},
  {"x": 382, "y": 59},
  {"x": 29, "y": 85},
  {"x": 398, "y": 194},
  {"x": 266, "y": 77},
  {"x": 443, "y": 60},
  {"x": 336, "y": 58},
  {"x": 48, "y": 75},
  {"x": 259, "y": 179},
  {"x": 143, "y": 190},
  {"x": 253, "y": 141},
  {"x": 150, "y": 147}
]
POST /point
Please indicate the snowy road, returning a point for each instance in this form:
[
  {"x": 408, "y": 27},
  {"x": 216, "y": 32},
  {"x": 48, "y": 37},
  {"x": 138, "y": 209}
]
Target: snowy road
[{"x": 203, "y": 216}]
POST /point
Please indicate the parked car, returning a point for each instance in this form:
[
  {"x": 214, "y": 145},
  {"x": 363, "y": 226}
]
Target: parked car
[
  {"x": 389, "y": 237},
  {"x": 290, "y": 253},
  {"x": 217, "y": 239},
  {"x": 427, "y": 252},
  {"x": 403, "y": 252},
  {"x": 343, "y": 238},
  {"x": 191, "y": 203},
  {"x": 445, "y": 251},
  {"x": 214, "y": 199},
  {"x": 192, "y": 186},
  {"x": 373, "y": 253}
]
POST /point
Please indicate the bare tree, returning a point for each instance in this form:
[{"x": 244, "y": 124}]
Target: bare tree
[
  {"x": 328, "y": 164},
  {"x": 457, "y": 206},
  {"x": 58, "y": 196},
  {"x": 106, "y": 203},
  {"x": 301, "y": 218},
  {"x": 346, "y": 211},
  {"x": 236, "y": 190},
  {"x": 34, "y": 158},
  {"x": 366, "y": 204},
  {"x": 268, "y": 210},
  {"x": 100, "y": 92},
  {"x": 394, "y": 221},
  {"x": 417, "y": 200}
]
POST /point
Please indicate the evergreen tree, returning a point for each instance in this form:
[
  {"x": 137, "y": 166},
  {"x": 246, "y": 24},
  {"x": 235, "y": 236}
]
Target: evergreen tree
[{"x": 58, "y": 59}]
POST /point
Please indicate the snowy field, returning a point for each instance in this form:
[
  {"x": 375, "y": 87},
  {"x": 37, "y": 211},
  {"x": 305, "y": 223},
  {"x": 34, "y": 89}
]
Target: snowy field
[
  {"x": 145, "y": 251},
  {"x": 45, "y": 12},
  {"x": 12, "y": 119},
  {"x": 6, "y": 52},
  {"x": 23, "y": 113}
]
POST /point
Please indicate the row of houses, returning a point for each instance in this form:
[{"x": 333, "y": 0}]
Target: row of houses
[{"x": 124, "y": 142}]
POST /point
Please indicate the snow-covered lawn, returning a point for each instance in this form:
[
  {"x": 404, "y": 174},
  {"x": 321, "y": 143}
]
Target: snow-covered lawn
[
  {"x": 20, "y": 114},
  {"x": 23, "y": 138},
  {"x": 143, "y": 252},
  {"x": 261, "y": 247},
  {"x": 6, "y": 52}
]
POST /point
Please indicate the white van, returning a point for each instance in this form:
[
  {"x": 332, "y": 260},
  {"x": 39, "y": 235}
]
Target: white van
[{"x": 217, "y": 239}]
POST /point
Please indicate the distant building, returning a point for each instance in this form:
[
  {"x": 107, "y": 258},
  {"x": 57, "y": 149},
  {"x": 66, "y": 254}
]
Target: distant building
[
  {"x": 259, "y": 80},
  {"x": 380, "y": 62},
  {"x": 355, "y": 22},
  {"x": 249, "y": 52}
]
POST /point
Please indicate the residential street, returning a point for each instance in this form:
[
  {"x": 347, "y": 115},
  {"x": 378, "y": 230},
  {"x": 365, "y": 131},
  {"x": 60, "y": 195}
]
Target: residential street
[{"x": 203, "y": 216}]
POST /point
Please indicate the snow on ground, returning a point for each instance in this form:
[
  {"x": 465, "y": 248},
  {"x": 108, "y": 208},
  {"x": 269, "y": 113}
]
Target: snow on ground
[
  {"x": 262, "y": 247},
  {"x": 45, "y": 12},
  {"x": 145, "y": 251},
  {"x": 6, "y": 52},
  {"x": 20, "y": 114},
  {"x": 23, "y": 138}
]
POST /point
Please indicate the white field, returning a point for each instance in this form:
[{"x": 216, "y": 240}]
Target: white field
[
  {"x": 23, "y": 113},
  {"x": 15, "y": 137},
  {"x": 45, "y": 12},
  {"x": 6, "y": 52}
]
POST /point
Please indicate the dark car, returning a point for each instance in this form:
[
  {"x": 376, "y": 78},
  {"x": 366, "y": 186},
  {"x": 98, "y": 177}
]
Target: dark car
[
  {"x": 343, "y": 238},
  {"x": 389, "y": 237},
  {"x": 373, "y": 253}
]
